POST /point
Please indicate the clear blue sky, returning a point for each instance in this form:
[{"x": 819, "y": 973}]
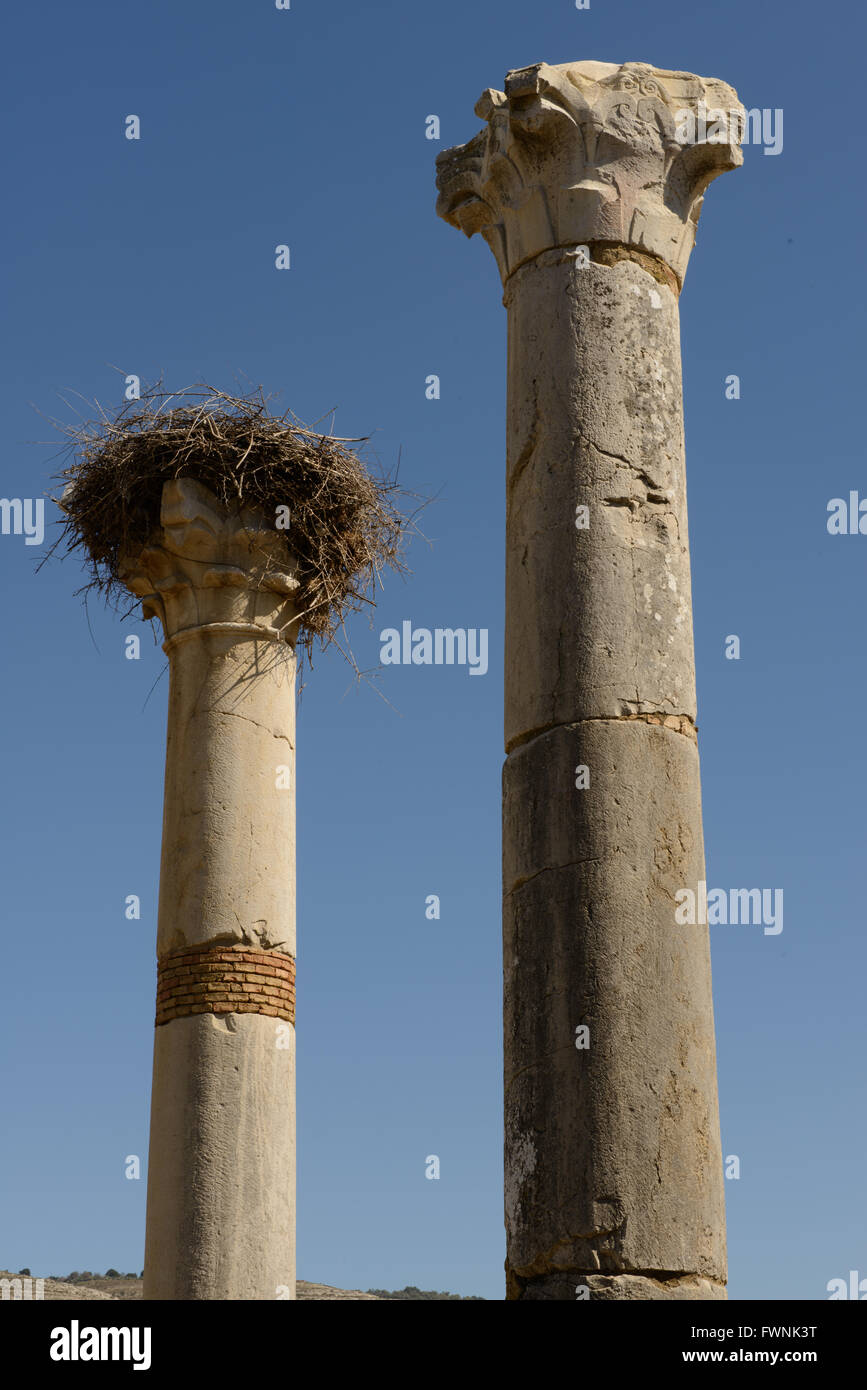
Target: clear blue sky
[{"x": 307, "y": 127}]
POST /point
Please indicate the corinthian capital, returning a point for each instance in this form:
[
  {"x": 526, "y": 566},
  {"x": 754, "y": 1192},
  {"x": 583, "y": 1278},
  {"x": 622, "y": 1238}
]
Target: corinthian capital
[
  {"x": 208, "y": 569},
  {"x": 584, "y": 153}
]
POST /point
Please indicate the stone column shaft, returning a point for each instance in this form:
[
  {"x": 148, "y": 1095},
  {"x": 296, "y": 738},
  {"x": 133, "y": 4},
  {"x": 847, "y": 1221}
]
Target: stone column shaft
[
  {"x": 613, "y": 1169},
  {"x": 221, "y": 1178}
]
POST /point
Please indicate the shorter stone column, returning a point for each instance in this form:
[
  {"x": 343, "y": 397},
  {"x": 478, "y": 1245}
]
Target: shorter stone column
[{"x": 221, "y": 1179}]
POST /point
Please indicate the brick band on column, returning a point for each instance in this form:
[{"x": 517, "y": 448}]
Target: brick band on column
[{"x": 225, "y": 980}]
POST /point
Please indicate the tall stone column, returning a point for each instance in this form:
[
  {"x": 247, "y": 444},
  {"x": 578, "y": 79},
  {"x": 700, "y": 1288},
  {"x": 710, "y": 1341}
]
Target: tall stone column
[
  {"x": 221, "y": 1179},
  {"x": 587, "y": 185}
]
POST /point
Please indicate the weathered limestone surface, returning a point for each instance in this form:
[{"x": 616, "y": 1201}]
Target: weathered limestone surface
[
  {"x": 589, "y": 200},
  {"x": 221, "y": 1179},
  {"x": 612, "y": 1156},
  {"x": 599, "y": 620},
  {"x": 608, "y": 1288}
]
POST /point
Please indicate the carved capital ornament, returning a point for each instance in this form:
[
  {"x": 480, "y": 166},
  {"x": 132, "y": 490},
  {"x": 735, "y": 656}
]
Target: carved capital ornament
[{"x": 584, "y": 153}]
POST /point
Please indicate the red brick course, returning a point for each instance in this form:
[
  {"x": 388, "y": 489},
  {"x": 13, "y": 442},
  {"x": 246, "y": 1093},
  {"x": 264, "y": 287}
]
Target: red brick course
[{"x": 225, "y": 980}]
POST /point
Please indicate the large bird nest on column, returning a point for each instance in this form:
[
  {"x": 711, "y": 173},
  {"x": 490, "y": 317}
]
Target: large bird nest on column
[{"x": 344, "y": 524}]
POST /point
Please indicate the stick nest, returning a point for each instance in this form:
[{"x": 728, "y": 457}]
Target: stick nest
[{"x": 345, "y": 526}]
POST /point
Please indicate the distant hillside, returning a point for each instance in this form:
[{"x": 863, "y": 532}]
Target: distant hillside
[
  {"x": 412, "y": 1292},
  {"x": 81, "y": 1285},
  {"x": 128, "y": 1286}
]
